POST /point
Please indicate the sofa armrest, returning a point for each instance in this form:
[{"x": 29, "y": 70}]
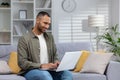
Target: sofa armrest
[{"x": 113, "y": 71}]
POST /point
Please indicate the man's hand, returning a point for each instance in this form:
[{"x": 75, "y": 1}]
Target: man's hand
[
  {"x": 57, "y": 63},
  {"x": 49, "y": 66}
]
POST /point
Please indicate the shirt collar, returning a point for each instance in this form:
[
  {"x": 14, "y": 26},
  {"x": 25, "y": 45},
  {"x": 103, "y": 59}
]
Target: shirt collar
[{"x": 35, "y": 36}]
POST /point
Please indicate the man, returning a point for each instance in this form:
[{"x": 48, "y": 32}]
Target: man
[{"x": 37, "y": 53}]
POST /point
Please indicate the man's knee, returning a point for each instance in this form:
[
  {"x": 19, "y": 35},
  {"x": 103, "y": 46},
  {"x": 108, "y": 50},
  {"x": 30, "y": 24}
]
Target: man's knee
[
  {"x": 46, "y": 76},
  {"x": 38, "y": 75},
  {"x": 67, "y": 75}
]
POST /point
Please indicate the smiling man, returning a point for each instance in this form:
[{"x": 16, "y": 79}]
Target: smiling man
[{"x": 37, "y": 53}]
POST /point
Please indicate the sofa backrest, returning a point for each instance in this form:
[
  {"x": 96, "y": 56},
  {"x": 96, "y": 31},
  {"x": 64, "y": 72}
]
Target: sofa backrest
[
  {"x": 61, "y": 49},
  {"x": 5, "y": 51},
  {"x": 68, "y": 47}
]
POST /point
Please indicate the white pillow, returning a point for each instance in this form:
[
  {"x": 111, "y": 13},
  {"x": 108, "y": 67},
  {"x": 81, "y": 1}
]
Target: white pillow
[
  {"x": 4, "y": 68},
  {"x": 96, "y": 63}
]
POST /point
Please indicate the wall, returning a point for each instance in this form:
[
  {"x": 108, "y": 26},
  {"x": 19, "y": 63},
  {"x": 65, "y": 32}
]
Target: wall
[{"x": 114, "y": 12}]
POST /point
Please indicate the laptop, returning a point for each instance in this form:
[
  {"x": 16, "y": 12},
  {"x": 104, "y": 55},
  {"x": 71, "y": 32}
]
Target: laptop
[{"x": 69, "y": 61}]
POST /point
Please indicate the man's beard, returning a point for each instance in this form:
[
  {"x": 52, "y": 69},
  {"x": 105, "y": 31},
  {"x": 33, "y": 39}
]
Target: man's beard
[{"x": 41, "y": 30}]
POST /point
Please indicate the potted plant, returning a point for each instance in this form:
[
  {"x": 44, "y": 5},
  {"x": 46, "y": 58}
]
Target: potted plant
[{"x": 111, "y": 38}]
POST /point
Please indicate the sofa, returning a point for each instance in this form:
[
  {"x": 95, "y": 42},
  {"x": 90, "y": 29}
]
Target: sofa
[
  {"x": 112, "y": 71},
  {"x": 4, "y": 55}
]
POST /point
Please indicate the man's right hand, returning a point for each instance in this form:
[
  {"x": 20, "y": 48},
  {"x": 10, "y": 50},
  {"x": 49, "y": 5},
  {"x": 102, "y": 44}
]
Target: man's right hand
[{"x": 48, "y": 66}]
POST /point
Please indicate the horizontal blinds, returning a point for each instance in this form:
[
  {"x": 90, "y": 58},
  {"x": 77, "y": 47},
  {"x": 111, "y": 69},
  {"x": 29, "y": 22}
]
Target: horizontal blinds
[{"x": 71, "y": 28}]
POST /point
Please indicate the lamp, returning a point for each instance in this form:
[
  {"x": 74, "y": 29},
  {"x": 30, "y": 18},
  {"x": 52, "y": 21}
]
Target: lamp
[{"x": 96, "y": 21}]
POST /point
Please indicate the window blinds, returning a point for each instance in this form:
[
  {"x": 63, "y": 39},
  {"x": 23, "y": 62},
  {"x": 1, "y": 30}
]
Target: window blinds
[{"x": 71, "y": 28}]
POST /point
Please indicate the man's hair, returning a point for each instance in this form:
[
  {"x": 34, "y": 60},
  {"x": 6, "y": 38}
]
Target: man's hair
[{"x": 42, "y": 13}]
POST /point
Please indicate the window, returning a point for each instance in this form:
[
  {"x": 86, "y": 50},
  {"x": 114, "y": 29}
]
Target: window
[{"x": 71, "y": 30}]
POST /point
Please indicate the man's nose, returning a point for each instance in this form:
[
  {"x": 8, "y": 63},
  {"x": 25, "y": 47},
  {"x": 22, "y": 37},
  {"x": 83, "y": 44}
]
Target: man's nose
[{"x": 47, "y": 26}]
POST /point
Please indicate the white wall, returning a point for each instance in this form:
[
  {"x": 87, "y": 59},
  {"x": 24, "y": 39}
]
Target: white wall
[{"x": 114, "y": 12}]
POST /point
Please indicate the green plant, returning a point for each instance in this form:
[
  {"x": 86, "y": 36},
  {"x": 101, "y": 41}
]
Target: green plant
[{"x": 111, "y": 38}]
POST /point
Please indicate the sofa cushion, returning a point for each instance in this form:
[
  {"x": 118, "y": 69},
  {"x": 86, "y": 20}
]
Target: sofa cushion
[
  {"x": 81, "y": 60},
  {"x": 88, "y": 76},
  {"x": 4, "y": 68},
  {"x": 13, "y": 62},
  {"x": 11, "y": 77},
  {"x": 96, "y": 63}
]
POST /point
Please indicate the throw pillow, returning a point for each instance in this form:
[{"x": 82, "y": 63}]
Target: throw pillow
[
  {"x": 81, "y": 60},
  {"x": 96, "y": 63},
  {"x": 100, "y": 52},
  {"x": 4, "y": 68},
  {"x": 13, "y": 62}
]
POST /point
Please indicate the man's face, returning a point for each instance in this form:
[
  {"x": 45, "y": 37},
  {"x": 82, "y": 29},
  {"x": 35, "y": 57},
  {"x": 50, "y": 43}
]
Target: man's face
[{"x": 43, "y": 23}]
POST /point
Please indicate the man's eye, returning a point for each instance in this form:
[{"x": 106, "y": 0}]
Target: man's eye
[{"x": 46, "y": 23}]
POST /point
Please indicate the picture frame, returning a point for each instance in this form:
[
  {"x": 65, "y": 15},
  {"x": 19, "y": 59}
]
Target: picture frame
[{"x": 23, "y": 14}]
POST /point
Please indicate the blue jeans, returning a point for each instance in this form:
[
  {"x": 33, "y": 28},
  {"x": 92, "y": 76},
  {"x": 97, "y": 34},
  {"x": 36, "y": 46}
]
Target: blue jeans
[{"x": 37, "y": 74}]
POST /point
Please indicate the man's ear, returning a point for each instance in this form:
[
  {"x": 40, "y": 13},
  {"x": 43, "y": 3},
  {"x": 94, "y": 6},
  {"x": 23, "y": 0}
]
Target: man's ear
[{"x": 37, "y": 20}]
